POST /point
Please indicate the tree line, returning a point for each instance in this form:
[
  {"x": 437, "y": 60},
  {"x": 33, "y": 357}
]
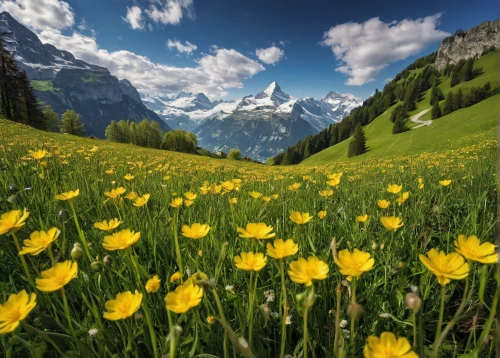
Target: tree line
[{"x": 149, "y": 134}]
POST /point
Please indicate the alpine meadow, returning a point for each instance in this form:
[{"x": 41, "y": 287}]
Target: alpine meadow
[{"x": 151, "y": 207}]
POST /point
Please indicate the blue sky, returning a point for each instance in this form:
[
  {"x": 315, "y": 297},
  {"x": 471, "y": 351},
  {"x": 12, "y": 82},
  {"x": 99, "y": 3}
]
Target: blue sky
[{"x": 303, "y": 66}]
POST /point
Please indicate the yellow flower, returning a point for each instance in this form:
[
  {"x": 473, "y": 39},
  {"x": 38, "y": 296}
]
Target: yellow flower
[
  {"x": 391, "y": 223},
  {"x": 362, "y": 218},
  {"x": 15, "y": 309},
  {"x": 184, "y": 297},
  {"x": 176, "y": 202},
  {"x": 420, "y": 183},
  {"x": 445, "y": 182},
  {"x": 195, "y": 231},
  {"x": 175, "y": 276},
  {"x": 249, "y": 261},
  {"x": 110, "y": 171},
  {"x": 115, "y": 193},
  {"x": 166, "y": 177},
  {"x": 333, "y": 182},
  {"x": 387, "y": 346},
  {"x": 300, "y": 218},
  {"x": 39, "y": 154},
  {"x": 57, "y": 276},
  {"x": 143, "y": 200},
  {"x": 281, "y": 249},
  {"x": 211, "y": 319},
  {"x": 325, "y": 193},
  {"x": 108, "y": 225},
  {"x": 322, "y": 214},
  {"x": 255, "y": 194},
  {"x": 153, "y": 284},
  {"x": 274, "y": 196},
  {"x": 402, "y": 198},
  {"x": 128, "y": 177},
  {"x": 383, "y": 204},
  {"x": 123, "y": 306},
  {"x": 304, "y": 271},
  {"x": 256, "y": 231},
  {"x": 233, "y": 201},
  {"x": 12, "y": 221},
  {"x": 266, "y": 199},
  {"x": 445, "y": 267},
  {"x": 120, "y": 240},
  {"x": 227, "y": 186},
  {"x": 354, "y": 264},
  {"x": 188, "y": 202},
  {"x": 68, "y": 195},
  {"x": 421, "y": 186},
  {"x": 472, "y": 249},
  {"x": 131, "y": 196},
  {"x": 190, "y": 195},
  {"x": 394, "y": 188},
  {"x": 294, "y": 187},
  {"x": 39, "y": 241}
]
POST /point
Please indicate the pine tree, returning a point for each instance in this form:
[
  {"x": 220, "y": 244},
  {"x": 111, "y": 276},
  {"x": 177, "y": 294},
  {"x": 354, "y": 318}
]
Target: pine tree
[
  {"x": 399, "y": 126},
  {"x": 457, "y": 100},
  {"x": 466, "y": 72},
  {"x": 357, "y": 146},
  {"x": 71, "y": 124},
  {"x": 436, "y": 111},
  {"x": 51, "y": 118},
  {"x": 448, "y": 104},
  {"x": 32, "y": 111}
]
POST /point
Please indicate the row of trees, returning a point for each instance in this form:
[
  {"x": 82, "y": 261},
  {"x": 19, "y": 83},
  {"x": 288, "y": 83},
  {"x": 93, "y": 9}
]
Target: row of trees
[
  {"x": 149, "y": 134},
  {"x": 460, "y": 99},
  {"x": 69, "y": 123},
  {"x": 462, "y": 71}
]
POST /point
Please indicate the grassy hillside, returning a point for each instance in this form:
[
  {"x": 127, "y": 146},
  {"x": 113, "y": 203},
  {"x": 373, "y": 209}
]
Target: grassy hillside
[
  {"x": 42, "y": 85},
  {"x": 465, "y": 125}
]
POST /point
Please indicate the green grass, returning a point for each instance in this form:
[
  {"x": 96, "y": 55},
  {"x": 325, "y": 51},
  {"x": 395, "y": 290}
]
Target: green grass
[
  {"x": 42, "y": 85},
  {"x": 92, "y": 78},
  {"x": 433, "y": 218}
]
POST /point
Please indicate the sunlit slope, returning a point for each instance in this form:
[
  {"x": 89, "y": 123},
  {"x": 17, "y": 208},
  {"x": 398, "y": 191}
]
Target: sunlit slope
[{"x": 469, "y": 125}]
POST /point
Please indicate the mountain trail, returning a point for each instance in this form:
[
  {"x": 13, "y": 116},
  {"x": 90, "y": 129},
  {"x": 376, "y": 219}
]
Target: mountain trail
[{"x": 415, "y": 119}]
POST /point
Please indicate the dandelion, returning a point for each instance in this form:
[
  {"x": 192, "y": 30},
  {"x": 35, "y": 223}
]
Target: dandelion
[
  {"x": 402, "y": 198},
  {"x": 233, "y": 201},
  {"x": 121, "y": 240},
  {"x": 68, "y": 195},
  {"x": 472, "y": 249},
  {"x": 115, "y": 193},
  {"x": 362, "y": 218},
  {"x": 108, "y": 225},
  {"x": 12, "y": 221},
  {"x": 445, "y": 182},
  {"x": 325, "y": 193},
  {"x": 394, "y": 188},
  {"x": 354, "y": 264},
  {"x": 131, "y": 196},
  {"x": 255, "y": 194},
  {"x": 294, "y": 187},
  {"x": 266, "y": 199},
  {"x": 305, "y": 271},
  {"x": 190, "y": 195},
  {"x": 176, "y": 202},
  {"x": 195, "y": 231},
  {"x": 39, "y": 241},
  {"x": 57, "y": 276},
  {"x": 322, "y": 214},
  {"x": 250, "y": 261},
  {"x": 141, "y": 201},
  {"x": 184, "y": 297},
  {"x": 256, "y": 231},
  {"x": 388, "y": 346},
  {"x": 281, "y": 249},
  {"x": 300, "y": 218},
  {"x": 128, "y": 177},
  {"x": 15, "y": 309},
  {"x": 153, "y": 284},
  {"x": 123, "y": 306},
  {"x": 175, "y": 277},
  {"x": 188, "y": 202},
  {"x": 391, "y": 223},
  {"x": 445, "y": 267},
  {"x": 39, "y": 154}
]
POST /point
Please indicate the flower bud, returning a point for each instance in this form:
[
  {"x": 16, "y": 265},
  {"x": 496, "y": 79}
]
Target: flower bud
[
  {"x": 107, "y": 260},
  {"x": 63, "y": 216},
  {"x": 382, "y": 246},
  {"x": 223, "y": 251},
  {"x": 413, "y": 301},
  {"x": 374, "y": 245},
  {"x": 12, "y": 199},
  {"x": 96, "y": 266},
  {"x": 77, "y": 251},
  {"x": 355, "y": 311}
]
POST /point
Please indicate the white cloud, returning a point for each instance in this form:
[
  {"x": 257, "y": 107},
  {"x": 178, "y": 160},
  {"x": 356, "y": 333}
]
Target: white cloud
[
  {"x": 214, "y": 73},
  {"x": 284, "y": 42},
  {"x": 170, "y": 11},
  {"x": 187, "y": 48},
  {"x": 40, "y": 14},
  {"x": 270, "y": 55},
  {"x": 134, "y": 18},
  {"x": 82, "y": 26},
  {"x": 364, "y": 49}
]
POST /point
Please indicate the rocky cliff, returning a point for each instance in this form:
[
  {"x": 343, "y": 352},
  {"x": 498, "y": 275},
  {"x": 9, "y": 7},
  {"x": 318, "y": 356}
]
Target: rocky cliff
[{"x": 467, "y": 44}]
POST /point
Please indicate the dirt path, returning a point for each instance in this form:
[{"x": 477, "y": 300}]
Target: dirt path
[{"x": 416, "y": 119}]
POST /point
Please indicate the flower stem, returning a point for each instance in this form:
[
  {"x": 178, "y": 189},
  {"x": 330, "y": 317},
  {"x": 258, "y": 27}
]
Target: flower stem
[
  {"x": 68, "y": 317},
  {"x": 177, "y": 247},
  {"x": 414, "y": 318},
  {"x": 250, "y": 312},
  {"x": 285, "y": 309},
  {"x": 306, "y": 310},
  {"x": 353, "y": 318},
  {"x": 23, "y": 261},
  {"x": 440, "y": 323},
  {"x": 337, "y": 323},
  {"x": 172, "y": 335},
  {"x": 80, "y": 232}
]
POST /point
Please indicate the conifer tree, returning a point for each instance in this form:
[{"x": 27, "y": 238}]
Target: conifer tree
[
  {"x": 71, "y": 124},
  {"x": 51, "y": 118},
  {"x": 436, "y": 111},
  {"x": 357, "y": 145},
  {"x": 448, "y": 104}
]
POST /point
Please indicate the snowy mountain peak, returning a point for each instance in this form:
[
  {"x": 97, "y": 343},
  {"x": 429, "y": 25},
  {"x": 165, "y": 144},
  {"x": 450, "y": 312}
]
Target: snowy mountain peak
[
  {"x": 272, "y": 94},
  {"x": 274, "y": 86}
]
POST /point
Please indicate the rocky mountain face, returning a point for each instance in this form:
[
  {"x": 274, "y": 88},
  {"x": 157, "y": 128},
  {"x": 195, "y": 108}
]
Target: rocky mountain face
[
  {"x": 467, "y": 44},
  {"x": 64, "y": 82}
]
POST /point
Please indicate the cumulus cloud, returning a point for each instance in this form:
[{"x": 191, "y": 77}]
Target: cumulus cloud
[
  {"x": 270, "y": 55},
  {"x": 134, "y": 18},
  {"x": 40, "y": 14},
  {"x": 213, "y": 74},
  {"x": 168, "y": 11},
  {"x": 364, "y": 49},
  {"x": 186, "y": 48}
]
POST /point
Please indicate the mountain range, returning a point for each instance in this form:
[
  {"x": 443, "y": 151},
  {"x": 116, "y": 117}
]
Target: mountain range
[
  {"x": 64, "y": 82},
  {"x": 265, "y": 123}
]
